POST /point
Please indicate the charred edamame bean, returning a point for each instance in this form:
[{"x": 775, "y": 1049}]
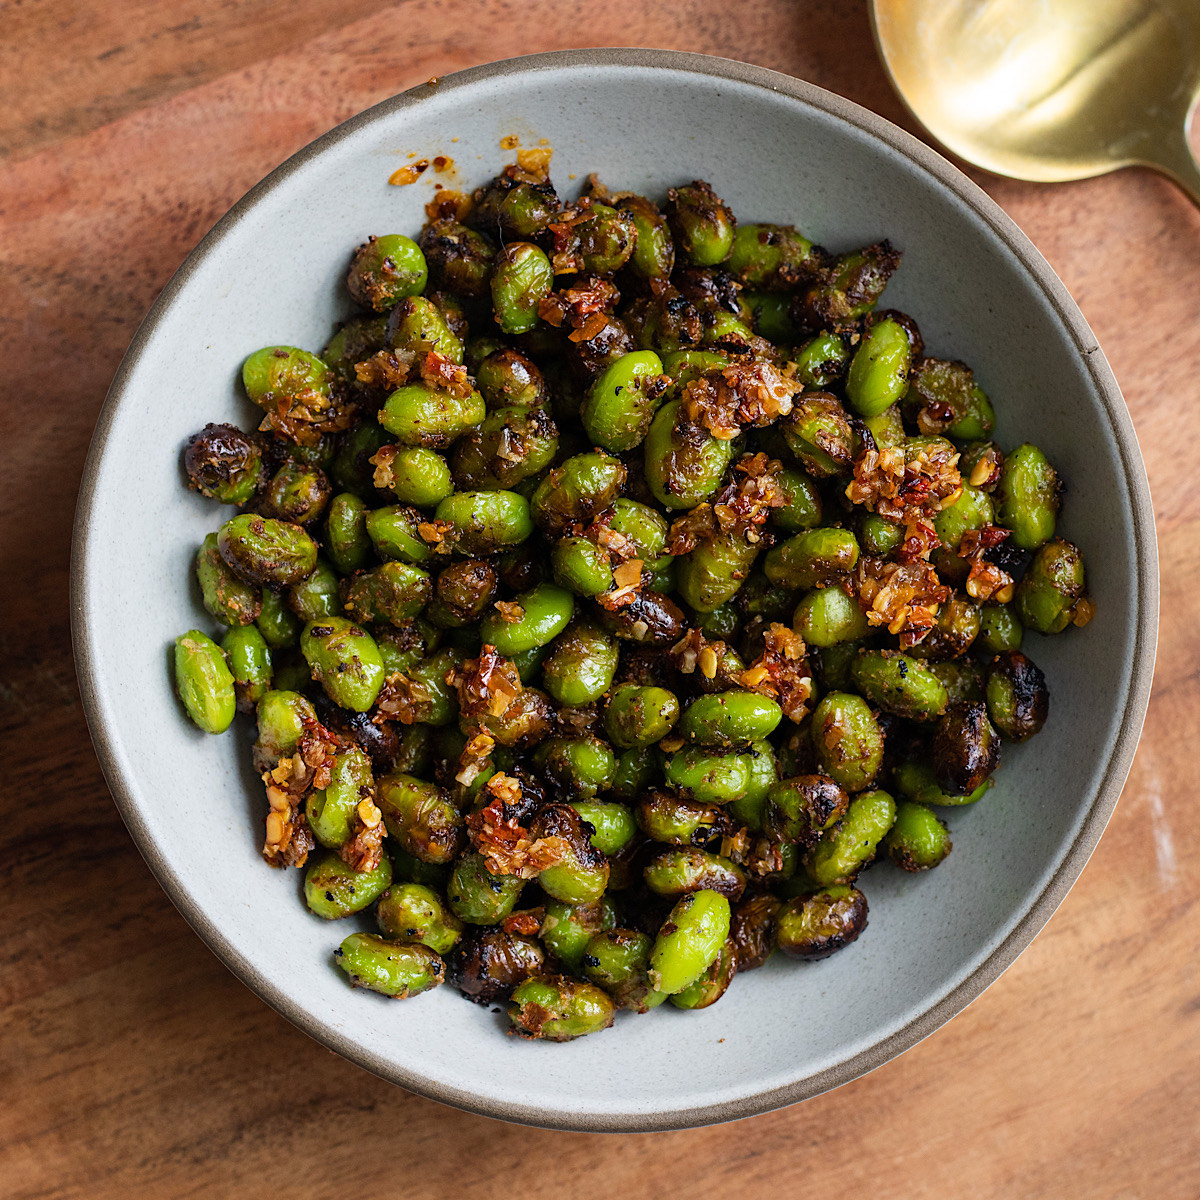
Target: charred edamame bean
[
  {"x": 817, "y": 925},
  {"x": 581, "y": 766},
  {"x": 709, "y": 778},
  {"x": 545, "y": 611},
  {"x": 331, "y": 810},
  {"x": 421, "y": 817},
  {"x": 684, "y": 464},
  {"x": 618, "y": 960},
  {"x": 847, "y": 740},
  {"x": 613, "y": 824},
  {"x": 843, "y": 851},
  {"x": 334, "y": 890},
  {"x": 559, "y": 1008},
  {"x": 412, "y": 913},
  {"x": 394, "y": 969},
  {"x": 691, "y": 869},
  {"x": 485, "y": 522},
  {"x": 622, "y": 401},
  {"x": 965, "y": 749},
  {"x": 772, "y": 257},
  {"x": 385, "y": 270},
  {"x": 900, "y": 684},
  {"x": 521, "y": 279},
  {"x": 918, "y": 840},
  {"x": 249, "y": 660},
  {"x": 581, "y": 876},
  {"x": 1018, "y": 701},
  {"x": 702, "y": 224},
  {"x": 224, "y": 464},
  {"x": 490, "y": 962},
  {"x": 458, "y": 259},
  {"x": 1052, "y": 588},
  {"x": 753, "y": 929},
  {"x": 226, "y": 595},
  {"x": 479, "y": 897},
  {"x": 1000, "y": 629},
  {"x": 714, "y": 981},
  {"x": 802, "y": 808},
  {"x": 811, "y": 559},
  {"x": 266, "y": 552},
  {"x": 577, "y": 492}
]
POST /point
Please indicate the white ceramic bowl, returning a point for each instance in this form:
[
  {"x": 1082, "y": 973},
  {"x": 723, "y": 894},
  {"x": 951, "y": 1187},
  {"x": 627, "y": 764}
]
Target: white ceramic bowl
[{"x": 776, "y": 149}]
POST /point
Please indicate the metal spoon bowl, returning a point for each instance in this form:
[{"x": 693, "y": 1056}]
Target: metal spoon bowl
[{"x": 1050, "y": 90}]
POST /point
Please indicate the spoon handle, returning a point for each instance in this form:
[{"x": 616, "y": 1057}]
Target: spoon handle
[{"x": 1179, "y": 163}]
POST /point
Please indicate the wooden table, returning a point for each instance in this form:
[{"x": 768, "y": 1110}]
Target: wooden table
[{"x": 131, "y": 1062}]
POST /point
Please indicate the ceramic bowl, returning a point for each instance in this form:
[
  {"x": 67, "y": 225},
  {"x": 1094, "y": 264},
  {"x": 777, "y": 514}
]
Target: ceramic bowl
[{"x": 776, "y": 149}]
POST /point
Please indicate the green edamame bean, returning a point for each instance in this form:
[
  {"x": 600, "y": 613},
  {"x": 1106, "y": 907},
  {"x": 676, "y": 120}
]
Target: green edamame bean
[
  {"x": 879, "y": 370},
  {"x": 713, "y": 983},
  {"x": 828, "y": 616},
  {"x": 581, "y": 875},
  {"x": 522, "y": 278},
  {"x": 918, "y": 840},
  {"x": 708, "y": 778},
  {"x": 728, "y": 331},
  {"x": 412, "y": 913},
  {"x": 821, "y": 362},
  {"x": 607, "y": 241},
  {"x": 486, "y": 522},
  {"x": 683, "y": 467},
  {"x": 1018, "y": 701},
  {"x": 804, "y": 807},
  {"x": 635, "y": 770},
  {"x": 317, "y": 595},
  {"x": 999, "y": 629},
  {"x": 352, "y": 342},
  {"x": 812, "y": 559},
  {"x": 559, "y": 1009},
  {"x": 814, "y": 926},
  {"x": 510, "y": 446},
  {"x": 204, "y": 682},
  {"x": 843, "y": 851},
  {"x": 701, "y": 223},
  {"x": 394, "y": 534},
  {"x": 418, "y": 325},
  {"x": 948, "y": 400},
  {"x": 546, "y": 609},
  {"x": 622, "y": 401},
  {"x": 282, "y": 718},
  {"x": 729, "y": 718},
  {"x": 684, "y": 366},
  {"x": 286, "y": 377},
  {"x": 887, "y": 429},
  {"x": 749, "y": 808},
  {"x": 331, "y": 810},
  {"x": 900, "y": 684},
  {"x": 711, "y": 574},
  {"x": 421, "y": 817},
  {"x": 352, "y": 469},
  {"x": 962, "y": 679},
  {"x": 818, "y": 433},
  {"x": 385, "y": 270},
  {"x": 613, "y": 824},
  {"x": 441, "y": 704},
  {"x": 753, "y": 930},
  {"x": 393, "y": 969},
  {"x": 395, "y": 592},
  {"x": 771, "y": 257},
  {"x": 848, "y": 289},
  {"x": 459, "y": 259},
  {"x": 1029, "y": 497},
  {"x": 689, "y": 940},
  {"x": 412, "y": 870},
  {"x": 691, "y": 869},
  {"x": 249, "y": 660},
  {"x": 639, "y": 716},
  {"x": 847, "y": 740},
  {"x": 580, "y": 665},
  {"x": 674, "y": 821},
  {"x": 972, "y": 509},
  {"x": 577, "y": 491},
  {"x": 567, "y": 928},
  {"x": 916, "y": 781},
  {"x": 583, "y": 766},
  {"x": 224, "y": 463},
  {"x": 344, "y": 659},
  {"x": 653, "y": 251},
  {"x": 419, "y": 477},
  {"x": 1051, "y": 587},
  {"x": 266, "y": 552},
  {"x": 513, "y": 207},
  {"x": 802, "y": 508},
  {"x": 226, "y": 597},
  {"x": 333, "y": 890},
  {"x": 296, "y": 493},
  {"x": 581, "y": 566},
  {"x": 618, "y": 961},
  {"x": 419, "y": 415}
]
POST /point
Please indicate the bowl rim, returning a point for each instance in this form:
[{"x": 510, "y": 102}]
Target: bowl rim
[{"x": 1141, "y": 667}]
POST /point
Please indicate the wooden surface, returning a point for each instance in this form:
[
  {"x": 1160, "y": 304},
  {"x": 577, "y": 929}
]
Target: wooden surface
[{"x": 131, "y": 1063}]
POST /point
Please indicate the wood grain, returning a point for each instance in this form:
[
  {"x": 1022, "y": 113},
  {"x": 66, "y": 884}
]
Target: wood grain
[{"x": 131, "y": 1063}]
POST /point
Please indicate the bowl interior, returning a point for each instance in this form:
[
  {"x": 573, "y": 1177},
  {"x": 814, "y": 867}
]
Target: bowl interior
[{"x": 783, "y": 152}]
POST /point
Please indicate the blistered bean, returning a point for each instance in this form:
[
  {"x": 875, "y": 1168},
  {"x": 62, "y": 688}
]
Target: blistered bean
[
  {"x": 918, "y": 840},
  {"x": 334, "y": 890},
  {"x": 841, "y": 852},
  {"x": 1052, "y": 587},
  {"x": 412, "y": 913},
  {"x": 559, "y": 1009},
  {"x": 226, "y": 596},
  {"x": 815, "y": 926},
  {"x": 1018, "y": 701},
  {"x": 847, "y": 740},
  {"x": 691, "y": 869},
  {"x": 331, "y": 810},
  {"x": 385, "y": 270},
  {"x": 900, "y": 684},
  {"x": 266, "y": 552}
]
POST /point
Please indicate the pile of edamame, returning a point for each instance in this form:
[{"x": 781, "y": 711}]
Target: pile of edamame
[{"x": 616, "y": 585}]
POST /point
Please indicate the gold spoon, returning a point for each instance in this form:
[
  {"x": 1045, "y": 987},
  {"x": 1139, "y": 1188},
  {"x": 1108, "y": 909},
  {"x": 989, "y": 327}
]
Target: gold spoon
[{"x": 1050, "y": 90}]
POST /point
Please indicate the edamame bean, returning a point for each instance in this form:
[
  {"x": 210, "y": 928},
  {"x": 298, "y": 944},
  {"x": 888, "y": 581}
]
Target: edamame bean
[
  {"x": 394, "y": 592},
  {"x": 344, "y": 659},
  {"x": 510, "y": 446},
  {"x": 828, "y": 617},
  {"x": 916, "y": 782},
  {"x": 580, "y": 566},
  {"x": 283, "y": 717},
  {"x": 421, "y": 817},
  {"x": 1018, "y": 701},
  {"x": 878, "y": 535},
  {"x": 282, "y": 378},
  {"x": 999, "y": 629},
  {"x": 711, "y": 574},
  {"x": 385, "y": 270},
  {"x": 391, "y": 968},
  {"x": 296, "y": 493},
  {"x": 333, "y": 890},
  {"x": 352, "y": 342},
  {"x": 774, "y": 258},
  {"x": 965, "y": 749},
  {"x": 815, "y": 926},
  {"x": 879, "y": 370},
  {"x": 581, "y": 876},
  {"x": 483, "y": 523},
  {"x": 689, "y": 940},
  {"x": 618, "y": 961},
  {"x": 394, "y": 532},
  {"x": 635, "y": 771},
  {"x": 946, "y": 399},
  {"x": 224, "y": 464},
  {"x": 691, "y": 869},
  {"x": 508, "y": 379},
  {"x": 419, "y": 477},
  {"x": 1051, "y": 588},
  {"x": 226, "y": 596},
  {"x": 675, "y": 821},
  {"x": 821, "y": 362},
  {"x": 622, "y": 401},
  {"x": 411, "y": 912},
  {"x": 491, "y": 962},
  {"x": 847, "y": 740},
  {"x": 639, "y": 716},
  {"x": 521, "y": 279},
  {"x": 559, "y": 1009},
  {"x": 420, "y": 415},
  {"x": 352, "y": 468},
  {"x": 753, "y": 929},
  {"x": 317, "y": 595},
  {"x": 887, "y": 429},
  {"x": 812, "y": 559},
  {"x": 802, "y": 508},
  {"x": 545, "y": 613},
  {"x": 684, "y": 466},
  {"x": 607, "y": 241},
  {"x": 417, "y": 324},
  {"x": 729, "y": 718},
  {"x": 848, "y": 289},
  {"x": 577, "y": 492},
  {"x": 962, "y": 679},
  {"x": 512, "y": 206},
  {"x": 953, "y": 633},
  {"x": 818, "y": 433},
  {"x": 802, "y": 808},
  {"x": 567, "y": 928},
  {"x": 266, "y": 552},
  {"x": 331, "y": 810},
  {"x": 582, "y": 766},
  {"x": 702, "y": 224},
  {"x": 749, "y": 808},
  {"x": 654, "y": 251},
  {"x": 249, "y": 660},
  {"x": 581, "y": 664},
  {"x": 707, "y": 777},
  {"x": 918, "y": 840},
  {"x": 713, "y": 983},
  {"x": 843, "y": 851},
  {"x": 1029, "y": 497},
  {"x": 459, "y": 260},
  {"x": 972, "y": 509},
  {"x": 613, "y": 825},
  {"x": 204, "y": 682},
  {"x": 900, "y": 684}
]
